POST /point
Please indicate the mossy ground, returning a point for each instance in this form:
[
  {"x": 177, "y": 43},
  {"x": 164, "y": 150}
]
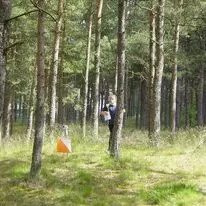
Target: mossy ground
[{"x": 169, "y": 175}]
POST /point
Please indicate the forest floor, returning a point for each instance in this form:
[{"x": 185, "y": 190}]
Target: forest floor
[{"x": 169, "y": 175}]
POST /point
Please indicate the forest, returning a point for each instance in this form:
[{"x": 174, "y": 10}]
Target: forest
[{"x": 63, "y": 62}]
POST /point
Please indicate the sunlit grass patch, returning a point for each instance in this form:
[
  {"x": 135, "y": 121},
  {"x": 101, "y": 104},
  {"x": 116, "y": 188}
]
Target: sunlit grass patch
[
  {"x": 174, "y": 193},
  {"x": 169, "y": 175}
]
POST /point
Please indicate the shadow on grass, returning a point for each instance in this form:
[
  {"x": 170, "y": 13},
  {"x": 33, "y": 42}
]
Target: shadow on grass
[
  {"x": 63, "y": 182},
  {"x": 83, "y": 179},
  {"x": 173, "y": 193},
  {"x": 10, "y": 167}
]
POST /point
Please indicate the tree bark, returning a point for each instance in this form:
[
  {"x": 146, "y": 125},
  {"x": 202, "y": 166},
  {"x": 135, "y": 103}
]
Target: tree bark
[
  {"x": 61, "y": 117},
  {"x": 54, "y": 67},
  {"x": 116, "y": 76},
  {"x": 117, "y": 130},
  {"x": 40, "y": 110},
  {"x": 138, "y": 110},
  {"x": 186, "y": 102},
  {"x": 179, "y": 103},
  {"x": 97, "y": 69},
  {"x": 86, "y": 72},
  {"x": 152, "y": 50},
  {"x": 5, "y": 13},
  {"x": 158, "y": 73},
  {"x": 143, "y": 109},
  {"x": 200, "y": 89},
  {"x": 31, "y": 105},
  {"x": 173, "y": 91},
  {"x": 7, "y": 114},
  {"x": 126, "y": 93}
]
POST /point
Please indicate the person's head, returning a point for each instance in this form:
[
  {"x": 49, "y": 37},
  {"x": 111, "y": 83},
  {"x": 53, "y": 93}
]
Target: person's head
[{"x": 112, "y": 99}]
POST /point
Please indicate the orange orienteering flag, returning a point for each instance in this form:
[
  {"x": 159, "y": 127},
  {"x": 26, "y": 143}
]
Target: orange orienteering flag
[{"x": 63, "y": 145}]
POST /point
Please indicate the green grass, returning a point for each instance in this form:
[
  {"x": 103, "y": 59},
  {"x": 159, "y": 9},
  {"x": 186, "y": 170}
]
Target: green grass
[{"x": 169, "y": 175}]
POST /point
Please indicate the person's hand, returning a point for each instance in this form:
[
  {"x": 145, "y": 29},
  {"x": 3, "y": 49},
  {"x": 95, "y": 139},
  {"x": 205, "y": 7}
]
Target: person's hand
[{"x": 104, "y": 113}]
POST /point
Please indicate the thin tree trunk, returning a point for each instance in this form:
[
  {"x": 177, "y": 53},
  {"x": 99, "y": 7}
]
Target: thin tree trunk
[
  {"x": 126, "y": 93},
  {"x": 173, "y": 92},
  {"x": 7, "y": 114},
  {"x": 138, "y": 105},
  {"x": 5, "y": 13},
  {"x": 86, "y": 73},
  {"x": 2, "y": 75},
  {"x": 152, "y": 50},
  {"x": 204, "y": 109},
  {"x": 60, "y": 82},
  {"x": 117, "y": 131},
  {"x": 186, "y": 102},
  {"x": 89, "y": 107},
  {"x": 158, "y": 73},
  {"x": 15, "y": 108},
  {"x": 31, "y": 105},
  {"x": 143, "y": 109},
  {"x": 40, "y": 111},
  {"x": 200, "y": 88},
  {"x": 193, "y": 105},
  {"x": 24, "y": 111},
  {"x": 166, "y": 113},
  {"x": 54, "y": 66},
  {"x": 20, "y": 107},
  {"x": 116, "y": 76},
  {"x": 179, "y": 103},
  {"x": 97, "y": 69},
  {"x": 162, "y": 104}
]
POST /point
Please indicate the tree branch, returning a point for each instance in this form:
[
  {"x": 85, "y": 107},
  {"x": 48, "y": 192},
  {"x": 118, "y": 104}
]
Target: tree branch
[
  {"x": 24, "y": 14},
  {"x": 143, "y": 7},
  {"x": 11, "y": 46},
  {"x": 35, "y": 5}
]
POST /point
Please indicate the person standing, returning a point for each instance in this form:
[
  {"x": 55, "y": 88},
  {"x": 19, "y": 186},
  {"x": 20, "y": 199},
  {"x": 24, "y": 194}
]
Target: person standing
[{"x": 109, "y": 112}]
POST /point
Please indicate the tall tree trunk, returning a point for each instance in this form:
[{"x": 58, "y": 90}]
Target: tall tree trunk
[
  {"x": 20, "y": 106},
  {"x": 86, "y": 72},
  {"x": 2, "y": 74},
  {"x": 24, "y": 110},
  {"x": 204, "y": 109},
  {"x": 60, "y": 82},
  {"x": 162, "y": 103},
  {"x": 97, "y": 69},
  {"x": 5, "y": 13},
  {"x": 186, "y": 102},
  {"x": 143, "y": 109},
  {"x": 179, "y": 103},
  {"x": 54, "y": 66},
  {"x": 200, "y": 119},
  {"x": 7, "y": 114},
  {"x": 116, "y": 76},
  {"x": 173, "y": 92},
  {"x": 138, "y": 106},
  {"x": 152, "y": 50},
  {"x": 158, "y": 73},
  {"x": 31, "y": 105},
  {"x": 200, "y": 87},
  {"x": 15, "y": 108},
  {"x": 117, "y": 131},
  {"x": 40, "y": 111},
  {"x": 166, "y": 114},
  {"x": 126, "y": 92}
]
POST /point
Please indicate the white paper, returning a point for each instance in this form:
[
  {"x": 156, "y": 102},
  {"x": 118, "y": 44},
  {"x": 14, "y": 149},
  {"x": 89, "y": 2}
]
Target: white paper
[{"x": 107, "y": 117}]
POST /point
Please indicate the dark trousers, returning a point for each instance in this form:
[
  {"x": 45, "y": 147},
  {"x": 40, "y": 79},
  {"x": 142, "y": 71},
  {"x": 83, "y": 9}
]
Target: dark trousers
[{"x": 111, "y": 126}]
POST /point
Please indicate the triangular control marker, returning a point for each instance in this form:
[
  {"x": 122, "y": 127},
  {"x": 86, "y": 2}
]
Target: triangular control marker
[{"x": 63, "y": 145}]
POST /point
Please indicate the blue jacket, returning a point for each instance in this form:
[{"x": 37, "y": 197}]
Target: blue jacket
[{"x": 112, "y": 110}]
